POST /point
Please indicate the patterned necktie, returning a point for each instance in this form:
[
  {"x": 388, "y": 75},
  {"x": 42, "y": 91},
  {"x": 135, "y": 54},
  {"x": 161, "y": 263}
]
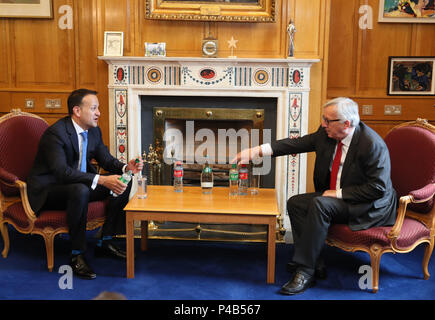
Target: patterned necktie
[
  {"x": 84, "y": 135},
  {"x": 335, "y": 166}
]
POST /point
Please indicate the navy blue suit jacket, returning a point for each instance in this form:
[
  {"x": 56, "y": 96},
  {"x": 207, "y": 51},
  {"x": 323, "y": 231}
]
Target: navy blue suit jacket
[{"x": 56, "y": 162}]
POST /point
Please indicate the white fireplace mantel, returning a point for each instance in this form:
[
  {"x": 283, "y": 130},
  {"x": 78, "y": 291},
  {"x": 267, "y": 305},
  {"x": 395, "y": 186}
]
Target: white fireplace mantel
[{"x": 287, "y": 80}]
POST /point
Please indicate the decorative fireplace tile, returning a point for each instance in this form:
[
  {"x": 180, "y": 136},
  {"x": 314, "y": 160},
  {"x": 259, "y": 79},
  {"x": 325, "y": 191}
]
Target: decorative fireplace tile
[
  {"x": 296, "y": 78},
  {"x": 195, "y": 76},
  {"x": 121, "y": 124},
  {"x": 295, "y": 123},
  {"x": 120, "y": 75}
]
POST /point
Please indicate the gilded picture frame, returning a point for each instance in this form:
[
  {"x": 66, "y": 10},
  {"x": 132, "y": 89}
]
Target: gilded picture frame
[
  {"x": 212, "y": 10},
  {"x": 407, "y": 11},
  {"x": 42, "y": 9}
]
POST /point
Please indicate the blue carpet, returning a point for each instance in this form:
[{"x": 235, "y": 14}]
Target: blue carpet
[{"x": 193, "y": 270}]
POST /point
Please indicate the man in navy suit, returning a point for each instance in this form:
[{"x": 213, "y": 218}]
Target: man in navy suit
[
  {"x": 351, "y": 188},
  {"x": 63, "y": 178}
]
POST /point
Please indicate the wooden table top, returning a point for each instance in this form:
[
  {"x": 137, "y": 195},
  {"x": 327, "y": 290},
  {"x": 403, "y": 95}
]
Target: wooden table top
[{"x": 191, "y": 200}]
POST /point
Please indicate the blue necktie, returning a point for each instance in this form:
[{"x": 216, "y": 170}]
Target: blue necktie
[{"x": 84, "y": 135}]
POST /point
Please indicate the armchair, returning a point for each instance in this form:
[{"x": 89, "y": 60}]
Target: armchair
[
  {"x": 20, "y": 133},
  {"x": 412, "y": 152}
]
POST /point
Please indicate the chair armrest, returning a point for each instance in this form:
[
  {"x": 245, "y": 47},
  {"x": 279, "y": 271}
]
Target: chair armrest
[
  {"x": 12, "y": 181},
  {"x": 7, "y": 177},
  {"x": 423, "y": 194},
  {"x": 25, "y": 201},
  {"x": 395, "y": 230},
  {"x": 416, "y": 196}
]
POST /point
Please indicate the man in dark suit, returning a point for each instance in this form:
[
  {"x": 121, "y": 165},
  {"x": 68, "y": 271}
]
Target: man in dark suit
[
  {"x": 352, "y": 186},
  {"x": 63, "y": 178}
]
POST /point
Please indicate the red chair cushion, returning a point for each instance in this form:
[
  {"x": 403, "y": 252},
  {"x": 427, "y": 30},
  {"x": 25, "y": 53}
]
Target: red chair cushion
[
  {"x": 57, "y": 218},
  {"x": 412, "y": 231},
  {"x": 16, "y": 214},
  {"x": 412, "y": 152},
  {"x": 52, "y": 218}
]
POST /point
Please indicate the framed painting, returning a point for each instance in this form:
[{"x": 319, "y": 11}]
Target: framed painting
[
  {"x": 411, "y": 76},
  {"x": 211, "y": 10},
  {"x": 408, "y": 11},
  {"x": 113, "y": 43},
  {"x": 26, "y": 8}
]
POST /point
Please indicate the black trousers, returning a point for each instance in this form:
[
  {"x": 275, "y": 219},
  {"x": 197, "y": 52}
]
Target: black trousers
[
  {"x": 74, "y": 199},
  {"x": 310, "y": 217}
]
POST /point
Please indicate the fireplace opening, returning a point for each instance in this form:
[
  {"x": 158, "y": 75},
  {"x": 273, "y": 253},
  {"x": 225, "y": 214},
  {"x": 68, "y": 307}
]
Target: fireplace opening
[
  {"x": 160, "y": 113},
  {"x": 191, "y": 134}
]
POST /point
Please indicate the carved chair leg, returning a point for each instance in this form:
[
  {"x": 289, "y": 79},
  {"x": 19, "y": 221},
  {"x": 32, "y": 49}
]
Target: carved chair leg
[
  {"x": 426, "y": 258},
  {"x": 375, "y": 258},
  {"x": 5, "y": 235},
  {"x": 49, "y": 247}
]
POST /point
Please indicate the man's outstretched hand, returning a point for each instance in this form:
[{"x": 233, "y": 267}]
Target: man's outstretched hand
[{"x": 246, "y": 155}]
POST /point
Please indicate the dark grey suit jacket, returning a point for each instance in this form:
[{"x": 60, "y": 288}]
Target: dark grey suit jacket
[
  {"x": 57, "y": 160},
  {"x": 365, "y": 179}
]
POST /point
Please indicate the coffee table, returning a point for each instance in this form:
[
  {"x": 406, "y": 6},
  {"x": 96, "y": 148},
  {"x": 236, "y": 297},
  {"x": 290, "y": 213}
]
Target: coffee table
[{"x": 163, "y": 204}]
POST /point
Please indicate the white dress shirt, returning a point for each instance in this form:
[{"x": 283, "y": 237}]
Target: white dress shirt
[
  {"x": 80, "y": 139},
  {"x": 346, "y": 144}
]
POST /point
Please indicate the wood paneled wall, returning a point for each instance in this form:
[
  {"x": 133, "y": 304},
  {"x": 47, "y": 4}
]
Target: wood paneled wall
[
  {"x": 39, "y": 60},
  {"x": 358, "y": 62}
]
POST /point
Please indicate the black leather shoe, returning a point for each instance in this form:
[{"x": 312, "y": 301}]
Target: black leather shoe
[
  {"x": 300, "y": 282},
  {"x": 320, "y": 271},
  {"x": 80, "y": 268},
  {"x": 109, "y": 249}
]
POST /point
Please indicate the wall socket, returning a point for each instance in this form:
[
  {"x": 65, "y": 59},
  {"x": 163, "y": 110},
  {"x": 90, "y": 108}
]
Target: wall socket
[
  {"x": 392, "y": 110},
  {"x": 29, "y": 103},
  {"x": 367, "y": 109},
  {"x": 53, "y": 103}
]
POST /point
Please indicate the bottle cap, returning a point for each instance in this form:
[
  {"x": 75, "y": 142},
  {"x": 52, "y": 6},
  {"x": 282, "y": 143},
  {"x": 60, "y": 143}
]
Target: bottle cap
[
  {"x": 243, "y": 165},
  {"x": 234, "y": 165},
  {"x": 178, "y": 163}
]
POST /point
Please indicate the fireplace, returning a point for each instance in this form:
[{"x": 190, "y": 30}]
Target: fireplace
[{"x": 134, "y": 81}]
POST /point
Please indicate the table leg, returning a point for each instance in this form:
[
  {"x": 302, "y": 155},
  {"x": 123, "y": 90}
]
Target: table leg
[
  {"x": 144, "y": 235},
  {"x": 130, "y": 246},
  {"x": 271, "y": 252}
]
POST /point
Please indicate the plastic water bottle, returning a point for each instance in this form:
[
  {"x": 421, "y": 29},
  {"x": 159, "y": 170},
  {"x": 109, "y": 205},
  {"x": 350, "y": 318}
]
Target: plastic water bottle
[
  {"x": 234, "y": 180},
  {"x": 207, "y": 178},
  {"x": 125, "y": 178},
  {"x": 243, "y": 180},
  {"x": 178, "y": 177}
]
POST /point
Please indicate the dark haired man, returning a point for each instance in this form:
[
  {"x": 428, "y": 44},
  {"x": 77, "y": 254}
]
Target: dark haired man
[{"x": 63, "y": 178}]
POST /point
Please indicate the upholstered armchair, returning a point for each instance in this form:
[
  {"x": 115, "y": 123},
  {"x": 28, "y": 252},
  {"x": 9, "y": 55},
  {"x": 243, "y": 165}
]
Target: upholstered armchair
[
  {"x": 412, "y": 151},
  {"x": 20, "y": 133}
]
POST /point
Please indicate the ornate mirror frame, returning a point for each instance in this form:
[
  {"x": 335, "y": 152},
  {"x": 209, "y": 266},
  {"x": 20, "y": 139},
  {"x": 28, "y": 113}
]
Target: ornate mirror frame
[{"x": 257, "y": 11}]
